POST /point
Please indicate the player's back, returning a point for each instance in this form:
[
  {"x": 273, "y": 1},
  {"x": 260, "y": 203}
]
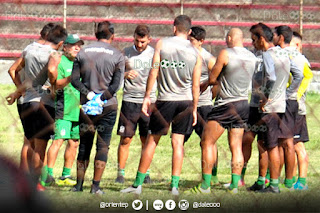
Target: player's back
[
  {"x": 277, "y": 97},
  {"x": 99, "y": 61},
  {"x": 235, "y": 78},
  {"x": 177, "y": 60},
  {"x": 36, "y": 56}
]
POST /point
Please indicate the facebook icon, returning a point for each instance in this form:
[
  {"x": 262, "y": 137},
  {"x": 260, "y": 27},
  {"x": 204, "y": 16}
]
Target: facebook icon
[{"x": 170, "y": 205}]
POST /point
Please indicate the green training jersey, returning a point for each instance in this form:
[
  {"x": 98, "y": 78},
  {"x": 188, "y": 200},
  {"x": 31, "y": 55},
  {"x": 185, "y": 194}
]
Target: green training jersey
[{"x": 68, "y": 98}]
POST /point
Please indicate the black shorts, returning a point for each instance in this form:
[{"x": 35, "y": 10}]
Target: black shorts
[
  {"x": 301, "y": 129},
  {"x": 130, "y": 116},
  {"x": 288, "y": 122},
  {"x": 270, "y": 132},
  {"x": 203, "y": 112},
  {"x": 20, "y": 110},
  {"x": 38, "y": 120},
  {"x": 231, "y": 115},
  {"x": 179, "y": 113}
]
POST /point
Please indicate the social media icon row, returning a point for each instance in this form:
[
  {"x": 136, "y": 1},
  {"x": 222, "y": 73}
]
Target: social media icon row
[{"x": 158, "y": 205}]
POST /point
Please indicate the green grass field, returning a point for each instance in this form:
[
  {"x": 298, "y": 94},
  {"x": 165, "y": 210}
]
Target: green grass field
[{"x": 11, "y": 137}]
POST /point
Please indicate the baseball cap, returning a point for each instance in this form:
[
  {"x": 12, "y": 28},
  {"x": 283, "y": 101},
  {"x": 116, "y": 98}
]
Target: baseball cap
[{"x": 72, "y": 39}]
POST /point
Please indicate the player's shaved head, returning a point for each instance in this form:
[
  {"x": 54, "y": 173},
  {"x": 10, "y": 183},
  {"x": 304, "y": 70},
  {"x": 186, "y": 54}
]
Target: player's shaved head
[
  {"x": 235, "y": 37},
  {"x": 235, "y": 34}
]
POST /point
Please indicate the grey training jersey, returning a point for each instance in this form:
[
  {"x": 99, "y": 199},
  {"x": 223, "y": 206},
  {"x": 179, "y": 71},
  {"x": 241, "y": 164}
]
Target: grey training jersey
[
  {"x": 36, "y": 56},
  {"x": 177, "y": 60},
  {"x": 277, "y": 97},
  {"x": 205, "y": 98},
  {"x": 265, "y": 71},
  {"x": 98, "y": 63},
  {"x": 134, "y": 89},
  {"x": 235, "y": 78}
]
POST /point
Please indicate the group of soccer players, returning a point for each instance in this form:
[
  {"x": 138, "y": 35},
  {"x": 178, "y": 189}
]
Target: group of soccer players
[{"x": 173, "y": 84}]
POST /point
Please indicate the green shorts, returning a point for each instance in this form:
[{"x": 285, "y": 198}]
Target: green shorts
[{"x": 66, "y": 130}]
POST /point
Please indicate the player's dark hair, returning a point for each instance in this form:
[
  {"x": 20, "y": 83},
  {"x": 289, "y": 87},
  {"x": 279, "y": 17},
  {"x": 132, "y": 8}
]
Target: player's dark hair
[
  {"x": 104, "y": 30},
  {"x": 57, "y": 34},
  {"x": 297, "y": 35},
  {"x": 45, "y": 30},
  {"x": 182, "y": 23},
  {"x": 262, "y": 30},
  {"x": 142, "y": 30},
  {"x": 286, "y": 32},
  {"x": 198, "y": 33}
]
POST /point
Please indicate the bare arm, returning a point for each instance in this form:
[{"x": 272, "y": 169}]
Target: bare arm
[
  {"x": 204, "y": 85},
  {"x": 53, "y": 64},
  {"x": 221, "y": 62},
  {"x": 153, "y": 74},
  {"x": 15, "y": 68},
  {"x": 196, "y": 88}
]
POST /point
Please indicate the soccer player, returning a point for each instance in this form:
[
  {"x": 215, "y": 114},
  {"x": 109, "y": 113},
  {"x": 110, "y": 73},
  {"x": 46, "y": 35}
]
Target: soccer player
[
  {"x": 197, "y": 37},
  {"x": 16, "y": 73},
  {"x": 282, "y": 37},
  {"x": 231, "y": 77},
  {"x": 97, "y": 73},
  {"x": 301, "y": 130},
  {"x": 178, "y": 93},
  {"x": 66, "y": 110},
  {"x": 38, "y": 106},
  {"x": 138, "y": 62},
  {"x": 262, "y": 40}
]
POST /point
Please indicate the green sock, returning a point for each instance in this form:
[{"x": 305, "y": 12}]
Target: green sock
[
  {"x": 268, "y": 175},
  {"x": 294, "y": 179},
  {"x": 288, "y": 183},
  {"x": 139, "y": 179},
  {"x": 44, "y": 173},
  {"x": 234, "y": 180},
  {"x": 174, "y": 181},
  {"x": 302, "y": 180},
  {"x": 261, "y": 180},
  {"x": 274, "y": 182},
  {"x": 66, "y": 172},
  {"x": 206, "y": 179},
  {"x": 148, "y": 172},
  {"x": 243, "y": 172},
  {"x": 121, "y": 172},
  {"x": 50, "y": 171}
]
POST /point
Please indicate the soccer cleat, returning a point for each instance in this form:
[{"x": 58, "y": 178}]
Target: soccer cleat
[
  {"x": 240, "y": 184},
  {"x": 284, "y": 188},
  {"x": 175, "y": 191},
  {"x": 75, "y": 189},
  {"x": 50, "y": 181},
  {"x": 147, "y": 179},
  {"x": 40, "y": 187},
  {"x": 198, "y": 190},
  {"x": 66, "y": 181},
  {"x": 120, "y": 179},
  {"x": 267, "y": 182},
  {"x": 131, "y": 189},
  {"x": 270, "y": 189},
  {"x": 300, "y": 186},
  {"x": 232, "y": 191},
  {"x": 96, "y": 190},
  {"x": 256, "y": 187}
]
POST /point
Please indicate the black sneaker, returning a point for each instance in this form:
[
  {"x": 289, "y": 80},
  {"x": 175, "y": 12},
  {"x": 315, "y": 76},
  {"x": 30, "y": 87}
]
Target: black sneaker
[
  {"x": 96, "y": 190},
  {"x": 75, "y": 189},
  {"x": 147, "y": 179},
  {"x": 50, "y": 181},
  {"x": 256, "y": 187},
  {"x": 270, "y": 189},
  {"x": 120, "y": 179}
]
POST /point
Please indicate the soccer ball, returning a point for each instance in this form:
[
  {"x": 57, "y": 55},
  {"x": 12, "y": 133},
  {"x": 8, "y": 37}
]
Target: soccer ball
[
  {"x": 165, "y": 63},
  {"x": 182, "y": 64},
  {"x": 174, "y": 64}
]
